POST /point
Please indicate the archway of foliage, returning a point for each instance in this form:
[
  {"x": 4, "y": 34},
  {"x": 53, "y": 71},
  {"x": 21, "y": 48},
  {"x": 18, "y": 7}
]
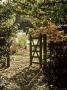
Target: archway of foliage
[
  {"x": 24, "y": 14},
  {"x": 38, "y": 11}
]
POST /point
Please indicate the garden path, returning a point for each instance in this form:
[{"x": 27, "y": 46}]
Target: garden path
[{"x": 21, "y": 76}]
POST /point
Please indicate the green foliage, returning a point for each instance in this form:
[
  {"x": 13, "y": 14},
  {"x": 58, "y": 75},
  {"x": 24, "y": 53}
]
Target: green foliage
[
  {"x": 22, "y": 42},
  {"x": 42, "y": 10}
]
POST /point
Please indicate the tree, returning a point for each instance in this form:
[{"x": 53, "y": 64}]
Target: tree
[{"x": 40, "y": 11}]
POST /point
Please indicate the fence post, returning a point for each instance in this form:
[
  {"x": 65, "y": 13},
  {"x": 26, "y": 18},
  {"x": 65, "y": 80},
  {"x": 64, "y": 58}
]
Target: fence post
[
  {"x": 8, "y": 54},
  {"x": 44, "y": 48},
  {"x": 8, "y": 60},
  {"x": 30, "y": 50},
  {"x": 40, "y": 59}
]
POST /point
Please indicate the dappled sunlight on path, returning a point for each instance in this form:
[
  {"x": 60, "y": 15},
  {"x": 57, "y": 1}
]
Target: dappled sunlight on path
[
  {"x": 17, "y": 63},
  {"x": 21, "y": 76}
]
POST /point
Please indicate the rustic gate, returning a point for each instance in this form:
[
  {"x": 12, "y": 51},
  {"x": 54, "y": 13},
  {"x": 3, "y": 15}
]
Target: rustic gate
[{"x": 38, "y": 49}]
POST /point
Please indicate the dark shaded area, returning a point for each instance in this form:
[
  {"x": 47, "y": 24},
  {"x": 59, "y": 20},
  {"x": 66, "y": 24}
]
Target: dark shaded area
[
  {"x": 4, "y": 48},
  {"x": 26, "y": 23},
  {"x": 55, "y": 70},
  {"x": 64, "y": 27}
]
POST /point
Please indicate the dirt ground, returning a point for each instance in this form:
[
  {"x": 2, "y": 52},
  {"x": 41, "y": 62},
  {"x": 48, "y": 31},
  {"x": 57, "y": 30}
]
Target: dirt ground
[{"x": 21, "y": 76}]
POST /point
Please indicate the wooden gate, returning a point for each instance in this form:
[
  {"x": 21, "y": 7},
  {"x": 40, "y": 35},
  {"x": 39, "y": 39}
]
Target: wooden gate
[{"x": 38, "y": 49}]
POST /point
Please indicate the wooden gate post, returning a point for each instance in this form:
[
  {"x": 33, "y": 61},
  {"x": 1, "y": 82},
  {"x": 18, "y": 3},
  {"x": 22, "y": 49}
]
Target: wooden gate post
[
  {"x": 30, "y": 50},
  {"x": 8, "y": 59},
  {"x": 8, "y": 54},
  {"x": 40, "y": 59},
  {"x": 44, "y": 48}
]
